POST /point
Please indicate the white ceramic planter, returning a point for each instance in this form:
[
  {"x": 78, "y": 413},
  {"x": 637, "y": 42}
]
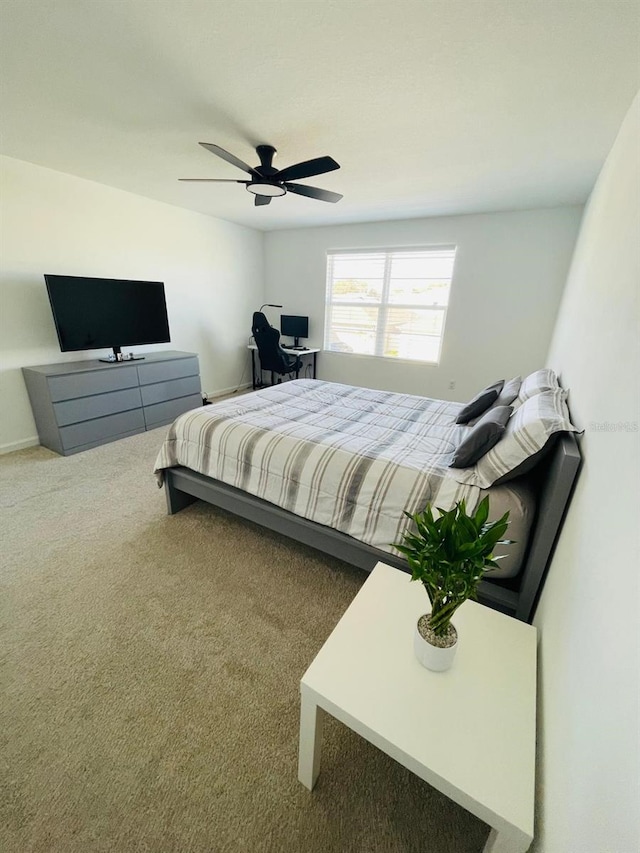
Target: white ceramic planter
[{"x": 433, "y": 657}]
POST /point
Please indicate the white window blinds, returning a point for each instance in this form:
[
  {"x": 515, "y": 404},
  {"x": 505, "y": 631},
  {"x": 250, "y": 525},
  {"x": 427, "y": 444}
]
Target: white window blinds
[{"x": 390, "y": 303}]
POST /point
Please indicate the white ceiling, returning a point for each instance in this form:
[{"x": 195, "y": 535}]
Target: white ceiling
[{"x": 430, "y": 106}]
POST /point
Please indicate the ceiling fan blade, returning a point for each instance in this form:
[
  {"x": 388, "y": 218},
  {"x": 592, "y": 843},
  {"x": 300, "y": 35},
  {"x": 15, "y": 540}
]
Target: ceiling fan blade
[
  {"x": 230, "y": 158},
  {"x": 262, "y": 199},
  {"x": 307, "y": 169},
  {"x": 215, "y": 180},
  {"x": 313, "y": 192}
]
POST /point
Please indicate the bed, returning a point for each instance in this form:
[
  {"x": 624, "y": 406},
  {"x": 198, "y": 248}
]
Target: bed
[{"x": 336, "y": 466}]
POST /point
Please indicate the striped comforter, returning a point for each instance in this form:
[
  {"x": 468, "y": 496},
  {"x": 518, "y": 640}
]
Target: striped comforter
[{"x": 349, "y": 458}]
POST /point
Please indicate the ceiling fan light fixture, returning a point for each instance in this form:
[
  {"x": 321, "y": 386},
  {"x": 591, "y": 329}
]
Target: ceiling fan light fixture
[{"x": 271, "y": 190}]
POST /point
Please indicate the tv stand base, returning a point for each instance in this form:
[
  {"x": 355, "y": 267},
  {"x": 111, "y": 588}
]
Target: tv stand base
[{"x": 111, "y": 359}]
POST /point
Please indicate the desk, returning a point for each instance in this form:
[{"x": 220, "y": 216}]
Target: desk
[
  {"x": 256, "y": 374},
  {"x": 470, "y": 732}
]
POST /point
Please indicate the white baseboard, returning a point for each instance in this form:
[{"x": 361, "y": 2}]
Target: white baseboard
[
  {"x": 19, "y": 445},
  {"x": 224, "y": 392}
]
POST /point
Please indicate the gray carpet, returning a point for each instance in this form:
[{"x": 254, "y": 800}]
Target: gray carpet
[{"x": 150, "y": 672}]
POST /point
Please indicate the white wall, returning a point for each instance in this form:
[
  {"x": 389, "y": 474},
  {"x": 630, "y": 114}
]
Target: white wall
[
  {"x": 55, "y": 223},
  {"x": 509, "y": 274},
  {"x": 588, "y": 616}
]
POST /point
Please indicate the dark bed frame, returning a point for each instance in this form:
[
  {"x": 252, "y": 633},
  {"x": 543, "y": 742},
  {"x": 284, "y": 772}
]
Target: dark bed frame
[{"x": 553, "y": 479}]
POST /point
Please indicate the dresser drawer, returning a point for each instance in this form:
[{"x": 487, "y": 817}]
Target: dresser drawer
[
  {"x": 164, "y": 413},
  {"x": 86, "y": 408},
  {"x": 162, "y": 371},
  {"x": 161, "y": 391},
  {"x": 102, "y": 428},
  {"x": 72, "y": 385}
]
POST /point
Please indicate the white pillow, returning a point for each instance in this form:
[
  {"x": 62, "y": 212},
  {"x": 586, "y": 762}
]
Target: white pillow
[
  {"x": 528, "y": 430},
  {"x": 542, "y": 380}
]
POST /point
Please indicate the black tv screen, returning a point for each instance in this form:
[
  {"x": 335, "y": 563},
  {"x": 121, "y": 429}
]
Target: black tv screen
[{"x": 93, "y": 313}]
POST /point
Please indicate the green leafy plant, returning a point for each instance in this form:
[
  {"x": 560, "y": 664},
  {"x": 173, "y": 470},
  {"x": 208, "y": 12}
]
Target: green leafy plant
[{"x": 450, "y": 554}]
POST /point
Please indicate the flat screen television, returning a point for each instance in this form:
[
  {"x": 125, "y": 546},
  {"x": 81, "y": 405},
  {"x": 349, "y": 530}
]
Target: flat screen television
[
  {"x": 94, "y": 313},
  {"x": 294, "y": 326}
]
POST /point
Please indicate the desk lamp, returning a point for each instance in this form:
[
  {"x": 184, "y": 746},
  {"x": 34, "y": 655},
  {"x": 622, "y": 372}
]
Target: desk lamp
[{"x": 270, "y": 305}]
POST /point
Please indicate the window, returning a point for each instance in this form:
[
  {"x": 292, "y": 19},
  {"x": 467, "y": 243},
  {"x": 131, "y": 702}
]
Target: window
[{"x": 389, "y": 303}]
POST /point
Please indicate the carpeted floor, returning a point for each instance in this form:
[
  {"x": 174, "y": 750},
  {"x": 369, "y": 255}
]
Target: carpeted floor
[{"x": 150, "y": 672}]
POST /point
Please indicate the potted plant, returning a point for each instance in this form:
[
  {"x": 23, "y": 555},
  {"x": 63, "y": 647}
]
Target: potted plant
[{"x": 449, "y": 555}]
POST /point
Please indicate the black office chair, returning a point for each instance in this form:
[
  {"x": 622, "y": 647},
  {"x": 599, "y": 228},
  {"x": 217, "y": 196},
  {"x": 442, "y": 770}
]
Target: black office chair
[{"x": 272, "y": 356}]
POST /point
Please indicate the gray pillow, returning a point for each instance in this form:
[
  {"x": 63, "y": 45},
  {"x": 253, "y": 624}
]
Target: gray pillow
[
  {"x": 509, "y": 392},
  {"x": 505, "y": 397},
  {"x": 480, "y": 402},
  {"x": 482, "y": 437}
]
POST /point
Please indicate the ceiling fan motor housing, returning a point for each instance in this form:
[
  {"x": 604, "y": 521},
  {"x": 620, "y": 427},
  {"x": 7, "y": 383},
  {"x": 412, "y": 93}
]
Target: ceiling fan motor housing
[{"x": 266, "y": 153}]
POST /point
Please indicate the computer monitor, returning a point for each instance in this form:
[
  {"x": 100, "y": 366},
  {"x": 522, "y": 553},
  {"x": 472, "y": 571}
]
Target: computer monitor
[{"x": 292, "y": 326}]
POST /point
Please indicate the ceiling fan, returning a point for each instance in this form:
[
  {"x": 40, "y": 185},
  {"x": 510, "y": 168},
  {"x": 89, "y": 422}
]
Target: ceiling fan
[{"x": 267, "y": 181}]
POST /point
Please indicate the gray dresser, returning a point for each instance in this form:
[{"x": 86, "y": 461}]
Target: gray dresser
[{"x": 81, "y": 404}]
